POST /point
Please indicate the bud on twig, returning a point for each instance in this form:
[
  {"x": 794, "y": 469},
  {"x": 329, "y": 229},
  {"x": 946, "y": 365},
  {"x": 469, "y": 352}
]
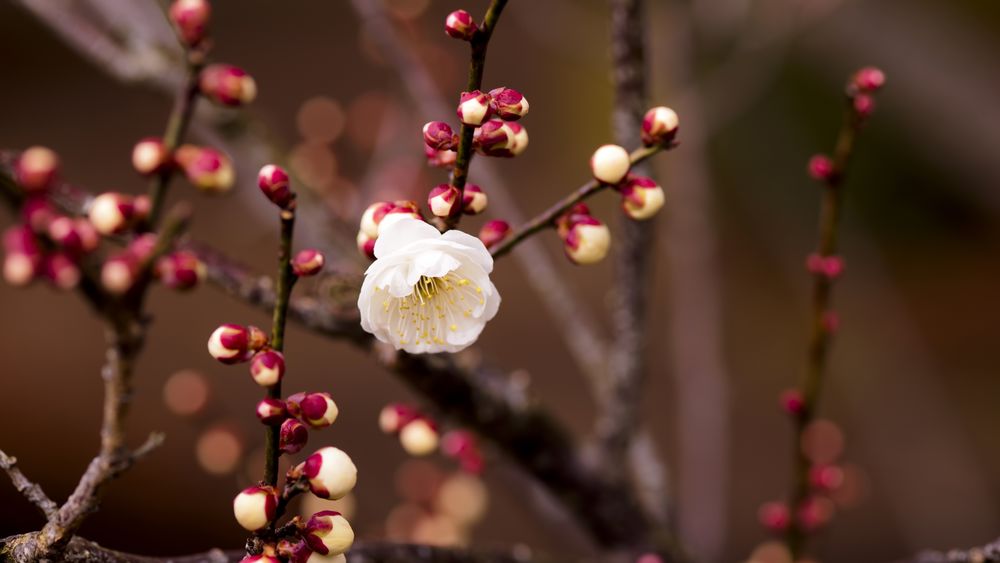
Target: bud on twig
[
  {"x": 474, "y": 200},
  {"x": 227, "y": 85},
  {"x": 659, "y": 126},
  {"x": 293, "y": 436},
  {"x": 508, "y": 104},
  {"x": 609, "y": 164},
  {"x": 372, "y": 216},
  {"x": 331, "y": 473},
  {"x": 830, "y": 267},
  {"x": 61, "y": 270},
  {"x": 461, "y": 445},
  {"x": 23, "y": 259},
  {"x": 190, "y": 19},
  {"x": 111, "y": 213},
  {"x": 74, "y": 235},
  {"x": 254, "y": 507},
  {"x": 826, "y": 478},
  {"x": 460, "y": 25},
  {"x": 317, "y": 409},
  {"x": 419, "y": 437},
  {"x": 820, "y": 167},
  {"x": 395, "y": 416},
  {"x": 206, "y": 168},
  {"x": 440, "y": 159},
  {"x": 231, "y": 343},
  {"x": 438, "y": 135},
  {"x": 869, "y": 79},
  {"x": 587, "y": 241},
  {"x": 493, "y": 232},
  {"x": 366, "y": 245},
  {"x": 273, "y": 181},
  {"x": 36, "y": 169},
  {"x": 444, "y": 200},
  {"x": 642, "y": 198},
  {"x": 267, "y": 367},
  {"x": 271, "y": 411},
  {"x": 474, "y": 108},
  {"x": 180, "y": 270},
  {"x": 792, "y": 402},
  {"x": 37, "y": 213},
  {"x": 308, "y": 262},
  {"x": 150, "y": 156},
  {"x": 774, "y": 516},
  {"x": 120, "y": 272},
  {"x": 327, "y": 532}
]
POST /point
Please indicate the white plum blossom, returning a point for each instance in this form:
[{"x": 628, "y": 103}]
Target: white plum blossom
[{"x": 427, "y": 291}]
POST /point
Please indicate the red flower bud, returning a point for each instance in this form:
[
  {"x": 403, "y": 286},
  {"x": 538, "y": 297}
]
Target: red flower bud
[
  {"x": 331, "y": 473},
  {"x": 62, "y": 270},
  {"x": 206, "y": 168},
  {"x": 609, "y": 164},
  {"x": 474, "y": 200},
  {"x": 327, "y": 532},
  {"x": 440, "y": 159},
  {"x": 493, "y": 232},
  {"x": 864, "y": 105},
  {"x": 460, "y": 25},
  {"x": 830, "y": 267},
  {"x": 508, "y": 104},
  {"x": 308, "y": 262},
  {"x": 659, "y": 126},
  {"x": 112, "y": 213},
  {"x": 438, "y": 135},
  {"x": 230, "y": 344},
  {"x": 273, "y": 181},
  {"x": 792, "y": 402},
  {"x": 366, "y": 245},
  {"x": 37, "y": 213},
  {"x": 577, "y": 213},
  {"x": 254, "y": 507},
  {"x": 74, "y": 235},
  {"x": 36, "y": 169},
  {"x": 587, "y": 241},
  {"x": 120, "y": 272},
  {"x": 267, "y": 367},
  {"x": 317, "y": 409},
  {"x": 372, "y": 216},
  {"x": 444, "y": 200},
  {"x": 774, "y": 516},
  {"x": 642, "y": 198},
  {"x": 190, "y": 19},
  {"x": 869, "y": 79},
  {"x": 150, "y": 156},
  {"x": 293, "y": 436},
  {"x": 826, "y": 478},
  {"x": 227, "y": 85},
  {"x": 820, "y": 167},
  {"x": 395, "y": 416},
  {"x": 271, "y": 411},
  {"x": 474, "y": 108},
  {"x": 180, "y": 270}
]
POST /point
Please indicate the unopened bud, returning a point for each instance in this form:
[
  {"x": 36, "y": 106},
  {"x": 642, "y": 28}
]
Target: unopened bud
[
  {"x": 826, "y": 478},
  {"x": 474, "y": 108},
  {"x": 864, "y": 105},
  {"x": 609, "y": 164},
  {"x": 273, "y": 181},
  {"x": 180, "y": 270},
  {"x": 774, "y": 516},
  {"x": 254, "y": 507},
  {"x": 190, "y": 19},
  {"x": 308, "y": 262},
  {"x": 366, "y": 245},
  {"x": 331, "y": 473},
  {"x": 814, "y": 513},
  {"x": 230, "y": 344},
  {"x": 227, "y": 85},
  {"x": 141, "y": 247},
  {"x": 37, "y": 212},
  {"x": 461, "y": 445},
  {"x": 659, "y": 126},
  {"x": 404, "y": 207},
  {"x": 419, "y": 437},
  {"x": 206, "y": 168},
  {"x": 119, "y": 273},
  {"x": 36, "y": 169},
  {"x": 820, "y": 167},
  {"x": 74, "y": 235},
  {"x": 327, "y": 532},
  {"x": 587, "y": 241},
  {"x": 23, "y": 259},
  {"x": 494, "y": 232},
  {"x": 642, "y": 198},
  {"x": 111, "y": 213},
  {"x": 520, "y": 143},
  {"x": 869, "y": 79},
  {"x": 395, "y": 416},
  {"x": 575, "y": 214},
  {"x": 61, "y": 270},
  {"x": 440, "y": 159},
  {"x": 438, "y": 135},
  {"x": 830, "y": 267},
  {"x": 271, "y": 410},
  {"x": 460, "y": 25},
  {"x": 317, "y": 410},
  {"x": 792, "y": 402},
  {"x": 150, "y": 156},
  {"x": 267, "y": 367},
  {"x": 293, "y": 436},
  {"x": 474, "y": 200},
  {"x": 444, "y": 200},
  {"x": 508, "y": 104},
  {"x": 494, "y": 138},
  {"x": 373, "y": 215}
]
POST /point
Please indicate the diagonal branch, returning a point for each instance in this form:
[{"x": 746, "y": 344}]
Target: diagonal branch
[{"x": 31, "y": 490}]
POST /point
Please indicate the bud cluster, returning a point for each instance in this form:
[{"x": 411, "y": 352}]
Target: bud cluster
[
  {"x": 642, "y": 197},
  {"x": 417, "y": 433},
  {"x": 586, "y": 240},
  {"x": 462, "y": 446},
  {"x": 372, "y": 218},
  {"x": 861, "y": 89}
]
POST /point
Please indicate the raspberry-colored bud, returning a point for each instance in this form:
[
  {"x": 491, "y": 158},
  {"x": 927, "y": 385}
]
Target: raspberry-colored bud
[
  {"x": 820, "y": 167},
  {"x": 292, "y": 436},
  {"x": 230, "y": 344},
  {"x": 180, "y": 270},
  {"x": 493, "y": 232},
  {"x": 419, "y": 437},
  {"x": 206, "y": 168},
  {"x": 440, "y": 159},
  {"x": 111, "y": 213},
  {"x": 61, "y": 270},
  {"x": 474, "y": 108},
  {"x": 373, "y": 215},
  {"x": 254, "y": 507},
  {"x": 119, "y": 273},
  {"x": 308, "y": 262},
  {"x": 366, "y": 245},
  {"x": 74, "y": 235},
  {"x": 610, "y": 164},
  {"x": 331, "y": 473},
  {"x": 293, "y": 402},
  {"x": 190, "y": 19},
  {"x": 461, "y": 445},
  {"x": 395, "y": 416},
  {"x": 869, "y": 79},
  {"x": 641, "y": 197},
  {"x": 267, "y": 367},
  {"x": 659, "y": 126},
  {"x": 227, "y": 85},
  {"x": 494, "y": 137},
  {"x": 294, "y": 552},
  {"x": 460, "y": 25},
  {"x": 36, "y": 169},
  {"x": 271, "y": 411},
  {"x": 826, "y": 478},
  {"x": 814, "y": 513},
  {"x": 577, "y": 213},
  {"x": 327, "y": 532},
  {"x": 317, "y": 409},
  {"x": 37, "y": 213},
  {"x": 830, "y": 267},
  {"x": 792, "y": 402},
  {"x": 587, "y": 241},
  {"x": 444, "y": 200},
  {"x": 508, "y": 104},
  {"x": 150, "y": 156},
  {"x": 273, "y": 181},
  {"x": 404, "y": 207},
  {"x": 438, "y": 135},
  {"x": 774, "y": 516},
  {"x": 141, "y": 247},
  {"x": 142, "y": 205},
  {"x": 864, "y": 105},
  {"x": 474, "y": 200}
]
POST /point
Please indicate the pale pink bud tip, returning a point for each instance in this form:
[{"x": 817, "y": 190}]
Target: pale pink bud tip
[
  {"x": 419, "y": 437},
  {"x": 494, "y": 232},
  {"x": 438, "y": 135},
  {"x": 230, "y": 344},
  {"x": 461, "y": 445},
  {"x": 271, "y": 411},
  {"x": 830, "y": 267},
  {"x": 460, "y": 25},
  {"x": 814, "y": 513},
  {"x": 474, "y": 200},
  {"x": 440, "y": 159},
  {"x": 74, "y": 235},
  {"x": 826, "y": 478},
  {"x": 206, "y": 168},
  {"x": 267, "y": 367},
  {"x": 119, "y": 273},
  {"x": 587, "y": 241},
  {"x": 331, "y": 473},
  {"x": 508, "y": 104},
  {"x": 150, "y": 156},
  {"x": 227, "y": 85},
  {"x": 869, "y": 79},
  {"x": 254, "y": 507},
  {"x": 642, "y": 197},
  {"x": 394, "y": 417},
  {"x": 474, "y": 108},
  {"x": 111, "y": 213},
  {"x": 273, "y": 182},
  {"x": 36, "y": 169},
  {"x": 792, "y": 402},
  {"x": 609, "y": 164},
  {"x": 62, "y": 270},
  {"x": 316, "y": 409},
  {"x": 659, "y": 126},
  {"x": 181, "y": 270},
  {"x": 293, "y": 436},
  {"x": 308, "y": 262},
  {"x": 864, "y": 105},
  {"x": 774, "y": 516},
  {"x": 190, "y": 19},
  {"x": 328, "y": 533},
  {"x": 444, "y": 200},
  {"x": 820, "y": 167}
]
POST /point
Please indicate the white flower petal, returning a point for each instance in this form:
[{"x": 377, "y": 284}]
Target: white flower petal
[{"x": 398, "y": 230}]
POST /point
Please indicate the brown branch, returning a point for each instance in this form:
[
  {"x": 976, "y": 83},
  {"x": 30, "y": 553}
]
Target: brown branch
[
  {"x": 989, "y": 553},
  {"x": 31, "y": 490}
]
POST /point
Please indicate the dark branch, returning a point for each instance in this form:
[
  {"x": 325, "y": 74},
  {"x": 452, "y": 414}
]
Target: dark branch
[{"x": 31, "y": 490}]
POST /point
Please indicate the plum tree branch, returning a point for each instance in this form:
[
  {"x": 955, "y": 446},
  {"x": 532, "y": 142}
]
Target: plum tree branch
[{"x": 31, "y": 490}]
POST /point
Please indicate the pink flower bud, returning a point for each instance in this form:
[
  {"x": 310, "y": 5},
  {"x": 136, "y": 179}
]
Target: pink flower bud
[
  {"x": 227, "y": 85},
  {"x": 230, "y": 344},
  {"x": 180, "y": 270},
  {"x": 405, "y": 207},
  {"x": 267, "y": 367},
  {"x": 493, "y": 232},
  {"x": 317, "y": 409},
  {"x": 460, "y": 25},
  {"x": 36, "y": 169},
  {"x": 206, "y": 168},
  {"x": 814, "y": 513},
  {"x": 62, "y": 270},
  {"x": 37, "y": 213},
  {"x": 395, "y": 416},
  {"x": 508, "y": 104},
  {"x": 111, "y": 213},
  {"x": 642, "y": 198},
  {"x": 826, "y": 478},
  {"x": 119, "y": 273},
  {"x": 587, "y": 241},
  {"x": 293, "y": 436},
  {"x": 74, "y": 235},
  {"x": 792, "y": 402},
  {"x": 493, "y": 137},
  {"x": 575, "y": 214},
  {"x": 327, "y": 532},
  {"x": 520, "y": 142},
  {"x": 830, "y": 267},
  {"x": 373, "y": 215},
  {"x": 869, "y": 79},
  {"x": 308, "y": 262},
  {"x": 461, "y": 445},
  {"x": 659, "y": 126},
  {"x": 440, "y": 159},
  {"x": 331, "y": 473},
  {"x": 190, "y": 19},
  {"x": 474, "y": 200},
  {"x": 142, "y": 205},
  {"x": 474, "y": 108},
  {"x": 273, "y": 181},
  {"x": 366, "y": 245},
  {"x": 864, "y": 105},
  {"x": 610, "y": 164},
  {"x": 438, "y": 135},
  {"x": 150, "y": 156},
  {"x": 820, "y": 167},
  {"x": 444, "y": 200},
  {"x": 419, "y": 437},
  {"x": 271, "y": 411},
  {"x": 774, "y": 516},
  {"x": 254, "y": 507},
  {"x": 142, "y": 246},
  {"x": 23, "y": 260}
]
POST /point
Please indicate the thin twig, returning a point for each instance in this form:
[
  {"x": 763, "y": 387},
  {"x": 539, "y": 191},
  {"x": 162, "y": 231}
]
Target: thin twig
[{"x": 31, "y": 490}]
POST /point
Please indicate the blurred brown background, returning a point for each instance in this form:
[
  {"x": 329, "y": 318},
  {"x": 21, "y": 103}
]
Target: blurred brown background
[{"x": 756, "y": 83}]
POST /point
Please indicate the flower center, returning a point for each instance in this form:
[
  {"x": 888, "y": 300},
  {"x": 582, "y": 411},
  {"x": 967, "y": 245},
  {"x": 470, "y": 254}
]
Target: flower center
[{"x": 436, "y": 306}]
